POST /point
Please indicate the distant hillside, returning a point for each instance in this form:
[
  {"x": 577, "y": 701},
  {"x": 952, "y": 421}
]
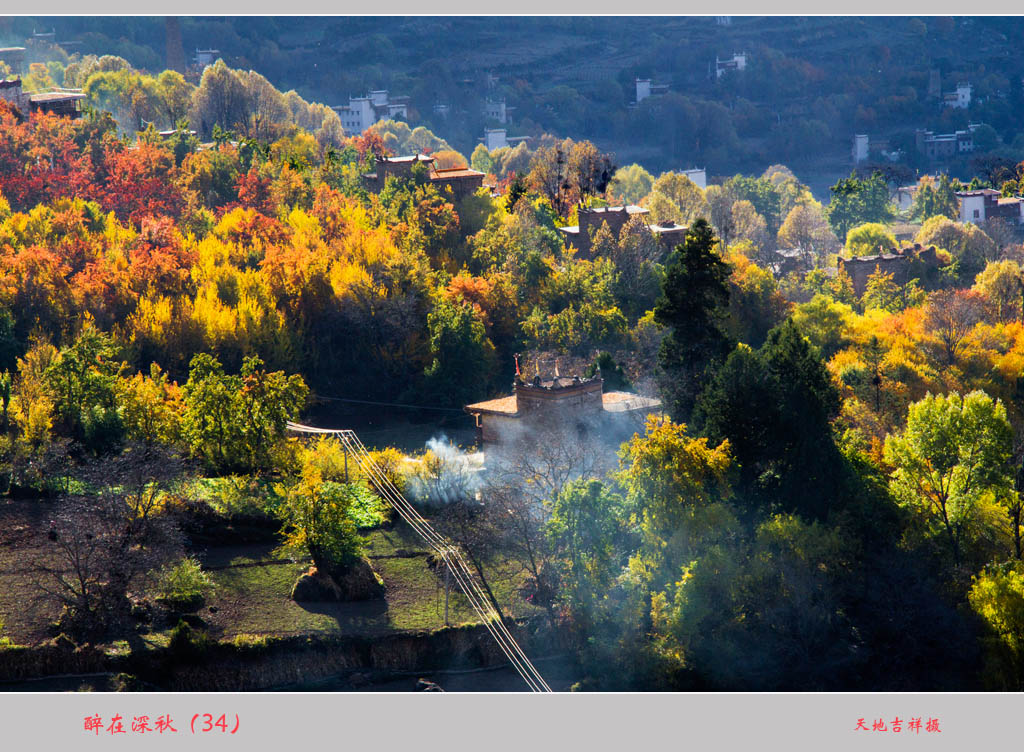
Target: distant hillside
[{"x": 808, "y": 85}]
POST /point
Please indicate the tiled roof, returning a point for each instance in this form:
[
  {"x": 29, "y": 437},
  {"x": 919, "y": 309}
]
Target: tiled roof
[
  {"x": 500, "y": 406},
  {"x": 57, "y": 96},
  {"x": 456, "y": 172}
]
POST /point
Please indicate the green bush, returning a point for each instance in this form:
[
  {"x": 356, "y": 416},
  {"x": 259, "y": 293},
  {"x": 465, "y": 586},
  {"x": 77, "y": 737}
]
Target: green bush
[
  {"x": 366, "y": 509},
  {"x": 854, "y": 375},
  {"x": 187, "y": 643},
  {"x": 318, "y": 522},
  {"x": 251, "y": 643},
  {"x": 238, "y": 496},
  {"x": 185, "y": 585}
]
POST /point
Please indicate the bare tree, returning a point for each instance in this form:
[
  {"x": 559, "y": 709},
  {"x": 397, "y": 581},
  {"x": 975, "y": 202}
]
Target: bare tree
[
  {"x": 523, "y": 538},
  {"x": 474, "y": 528},
  {"x": 720, "y": 200},
  {"x": 1003, "y": 234},
  {"x": 106, "y": 544},
  {"x": 950, "y": 316},
  {"x": 526, "y": 472},
  {"x": 555, "y": 449}
]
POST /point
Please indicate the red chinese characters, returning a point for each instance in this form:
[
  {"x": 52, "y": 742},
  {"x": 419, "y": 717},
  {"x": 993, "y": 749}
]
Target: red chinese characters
[
  {"x": 896, "y": 725},
  {"x": 202, "y": 723}
]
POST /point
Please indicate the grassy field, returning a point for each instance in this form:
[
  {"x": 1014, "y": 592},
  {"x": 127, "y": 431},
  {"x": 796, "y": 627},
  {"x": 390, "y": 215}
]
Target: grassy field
[{"x": 253, "y": 583}]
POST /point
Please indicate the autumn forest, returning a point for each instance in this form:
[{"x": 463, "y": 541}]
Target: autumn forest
[{"x": 829, "y": 499}]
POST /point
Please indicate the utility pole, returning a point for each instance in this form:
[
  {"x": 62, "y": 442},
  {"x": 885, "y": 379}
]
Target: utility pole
[
  {"x": 447, "y": 583},
  {"x": 344, "y": 448}
]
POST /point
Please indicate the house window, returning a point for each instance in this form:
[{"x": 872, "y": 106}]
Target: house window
[{"x": 977, "y": 213}]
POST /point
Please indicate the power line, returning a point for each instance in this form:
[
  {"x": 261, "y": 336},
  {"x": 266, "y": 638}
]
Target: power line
[
  {"x": 451, "y": 555},
  {"x": 389, "y": 404}
]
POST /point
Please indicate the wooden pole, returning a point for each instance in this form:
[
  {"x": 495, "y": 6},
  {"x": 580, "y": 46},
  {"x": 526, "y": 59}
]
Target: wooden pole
[{"x": 447, "y": 582}]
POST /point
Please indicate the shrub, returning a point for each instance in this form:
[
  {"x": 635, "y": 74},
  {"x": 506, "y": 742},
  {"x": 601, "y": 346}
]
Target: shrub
[
  {"x": 244, "y": 496},
  {"x": 250, "y": 642},
  {"x": 185, "y": 585},
  {"x": 127, "y": 683},
  {"x": 187, "y": 643},
  {"x": 318, "y": 521},
  {"x": 391, "y": 462},
  {"x": 367, "y": 509}
]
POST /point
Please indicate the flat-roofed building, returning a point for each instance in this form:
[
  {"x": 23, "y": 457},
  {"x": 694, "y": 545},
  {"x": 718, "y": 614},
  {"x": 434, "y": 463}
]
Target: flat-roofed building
[
  {"x": 988, "y": 203},
  {"x": 362, "y": 112},
  {"x": 458, "y": 182},
  {"x": 579, "y": 407},
  {"x": 14, "y": 57},
  {"x": 902, "y": 263},
  {"x": 205, "y": 57},
  {"x": 581, "y": 235},
  {"x": 63, "y": 102}
]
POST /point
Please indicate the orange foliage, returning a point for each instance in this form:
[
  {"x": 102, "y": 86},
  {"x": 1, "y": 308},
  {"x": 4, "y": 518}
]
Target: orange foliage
[
  {"x": 448, "y": 158},
  {"x": 370, "y": 143},
  {"x": 33, "y": 283},
  {"x": 159, "y": 260},
  {"x": 140, "y": 182},
  {"x": 254, "y": 192},
  {"x": 40, "y": 161}
]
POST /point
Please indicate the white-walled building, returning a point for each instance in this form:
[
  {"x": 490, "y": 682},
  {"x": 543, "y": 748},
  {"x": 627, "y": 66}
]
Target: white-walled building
[
  {"x": 738, "y": 62},
  {"x": 206, "y": 57},
  {"x": 904, "y": 198},
  {"x": 699, "y": 176},
  {"x": 362, "y": 112},
  {"x": 495, "y": 138},
  {"x": 496, "y": 110},
  {"x": 959, "y": 99},
  {"x": 987, "y": 203},
  {"x": 498, "y": 138},
  {"x": 860, "y": 148},
  {"x": 644, "y": 89}
]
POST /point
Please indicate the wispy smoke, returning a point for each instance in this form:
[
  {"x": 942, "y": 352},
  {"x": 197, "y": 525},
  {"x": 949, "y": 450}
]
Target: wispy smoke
[{"x": 445, "y": 474}]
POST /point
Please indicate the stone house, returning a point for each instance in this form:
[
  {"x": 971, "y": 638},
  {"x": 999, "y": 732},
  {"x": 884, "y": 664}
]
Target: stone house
[
  {"x": 905, "y": 264},
  {"x": 581, "y": 235}
]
